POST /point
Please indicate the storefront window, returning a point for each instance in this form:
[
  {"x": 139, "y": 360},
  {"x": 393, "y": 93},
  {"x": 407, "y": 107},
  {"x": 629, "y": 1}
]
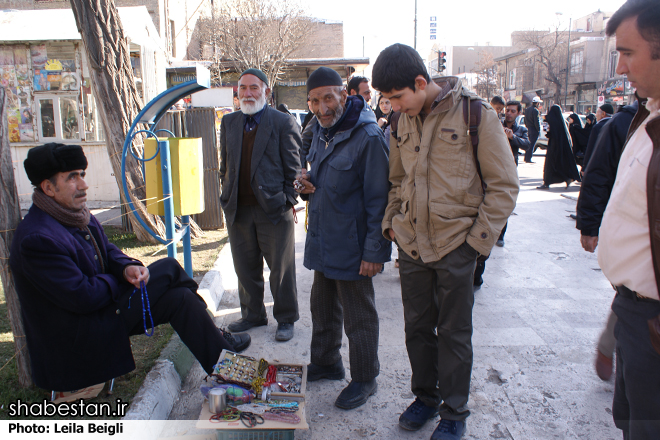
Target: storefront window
[
  {"x": 47, "y": 118},
  {"x": 58, "y": 117},
  {"x": 69, "y": 118}
]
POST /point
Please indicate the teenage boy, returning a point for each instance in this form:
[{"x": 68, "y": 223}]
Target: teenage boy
[{"x": 442, "y": 219}]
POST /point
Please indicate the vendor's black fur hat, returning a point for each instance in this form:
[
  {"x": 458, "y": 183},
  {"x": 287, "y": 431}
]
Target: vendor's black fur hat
[
  {"x": 256, "y": 72},
  {"x": 47, "y": 160},
  {"x": 322, "y": 77}
]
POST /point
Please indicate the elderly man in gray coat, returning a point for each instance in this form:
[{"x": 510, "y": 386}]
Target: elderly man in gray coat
[{"x": 259, "y": 149}]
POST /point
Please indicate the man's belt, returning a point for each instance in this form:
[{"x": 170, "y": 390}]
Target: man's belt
[{"x": 627, "y": 293}]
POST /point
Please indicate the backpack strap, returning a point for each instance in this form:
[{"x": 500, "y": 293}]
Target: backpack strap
[
  {"x": 472, "y": 118},
  {"x": 394, "y": 123}
]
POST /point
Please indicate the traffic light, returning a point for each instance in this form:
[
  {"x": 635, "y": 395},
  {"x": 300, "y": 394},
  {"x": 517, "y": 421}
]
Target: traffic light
[{"x": 441, "y": 61}]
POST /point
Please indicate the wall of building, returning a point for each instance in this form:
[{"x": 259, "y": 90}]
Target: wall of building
[
  {"x": 325, "y": 40},
  {"x": 465, "y": 58}
]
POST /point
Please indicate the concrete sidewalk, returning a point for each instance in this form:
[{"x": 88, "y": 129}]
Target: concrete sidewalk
[{"x": 536, "y": 321}]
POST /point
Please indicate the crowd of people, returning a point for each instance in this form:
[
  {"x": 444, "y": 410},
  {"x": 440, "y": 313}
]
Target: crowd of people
[{"x": 432, "y": 169}]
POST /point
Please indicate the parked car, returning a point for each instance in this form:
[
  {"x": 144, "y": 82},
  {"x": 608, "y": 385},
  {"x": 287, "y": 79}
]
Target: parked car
[{"x": 299, "y": 115}]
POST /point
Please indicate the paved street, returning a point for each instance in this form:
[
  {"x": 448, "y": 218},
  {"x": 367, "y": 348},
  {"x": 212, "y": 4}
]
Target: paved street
[{"x": 536, "y": 321}]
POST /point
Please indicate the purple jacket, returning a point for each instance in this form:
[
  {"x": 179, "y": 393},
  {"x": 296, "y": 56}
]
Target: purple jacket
[{"x": 75, "y": 334}]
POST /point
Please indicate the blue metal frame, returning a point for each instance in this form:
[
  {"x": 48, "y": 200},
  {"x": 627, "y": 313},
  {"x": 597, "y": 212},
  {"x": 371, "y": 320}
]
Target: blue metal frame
[{"x": 150, "y": 115}]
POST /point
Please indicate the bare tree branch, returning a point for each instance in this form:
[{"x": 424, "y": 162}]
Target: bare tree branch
[
  {"x": 550, "y": 51},
  {"x": 258, "y": 34}
]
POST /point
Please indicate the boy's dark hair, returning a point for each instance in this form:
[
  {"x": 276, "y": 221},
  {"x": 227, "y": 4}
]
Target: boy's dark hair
[
  {"x": 516, "y": 103},
  {"x": 397, "y": 67},
  {"x": 497, "y": 100},
  {"x": 648, "y": 21},
  {"x": 354, "y": 84}
]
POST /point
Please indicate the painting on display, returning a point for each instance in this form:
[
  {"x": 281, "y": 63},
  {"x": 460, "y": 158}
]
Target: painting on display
[
  {"x": 26, "y": 132},
  {"x": 41, "y": 80}
]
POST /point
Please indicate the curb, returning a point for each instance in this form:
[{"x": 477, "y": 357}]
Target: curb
[{"x": 155, "y": 398}]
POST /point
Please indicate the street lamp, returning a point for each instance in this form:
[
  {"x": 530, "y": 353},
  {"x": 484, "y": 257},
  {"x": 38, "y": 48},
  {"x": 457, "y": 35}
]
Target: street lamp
[{"x": 568, "y": 61}]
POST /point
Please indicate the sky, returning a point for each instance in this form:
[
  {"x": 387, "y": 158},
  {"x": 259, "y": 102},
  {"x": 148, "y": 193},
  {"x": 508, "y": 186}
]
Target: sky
[{"x": 460, "y": 23}]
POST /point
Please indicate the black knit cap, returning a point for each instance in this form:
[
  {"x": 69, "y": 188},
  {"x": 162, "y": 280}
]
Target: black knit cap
[
  {"x": 47, "y": 160},
  {"x": 322, "y": 77},
  {"x": 607, "y": 108},
  {"x": 256, "y": 72}
]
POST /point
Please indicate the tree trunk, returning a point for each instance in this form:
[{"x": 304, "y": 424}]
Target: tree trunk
[
  {"x": 117, "y": 99},
  {"x": 10, "y": 216}
]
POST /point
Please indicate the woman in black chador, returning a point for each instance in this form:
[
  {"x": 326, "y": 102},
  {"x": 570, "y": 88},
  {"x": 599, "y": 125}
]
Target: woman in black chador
[{"x": 559, "y": 161}]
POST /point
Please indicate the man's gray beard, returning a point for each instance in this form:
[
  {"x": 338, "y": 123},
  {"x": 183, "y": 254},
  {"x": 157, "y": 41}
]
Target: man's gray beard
[
  {"x": 250, "y": 108},
  {"x": 338, "y": 114}
]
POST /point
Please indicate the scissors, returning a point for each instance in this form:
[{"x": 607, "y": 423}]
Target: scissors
[{"x": 250, "y": 420}]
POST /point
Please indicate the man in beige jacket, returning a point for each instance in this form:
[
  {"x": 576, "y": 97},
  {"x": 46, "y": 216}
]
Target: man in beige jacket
[{"x": 442, "y": 219}]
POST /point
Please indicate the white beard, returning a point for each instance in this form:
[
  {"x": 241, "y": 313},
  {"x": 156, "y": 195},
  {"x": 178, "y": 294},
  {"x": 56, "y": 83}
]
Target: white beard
[{"x": 250, "y": 106}]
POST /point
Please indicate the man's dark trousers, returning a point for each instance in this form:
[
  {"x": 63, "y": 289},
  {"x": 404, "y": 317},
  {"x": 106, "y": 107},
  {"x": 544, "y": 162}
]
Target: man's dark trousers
[
  {"x": 439, "y": 295},
  {"x": 354, "y": 303},
  {"x": 173, "y": 298},
  {"x": 533, "y": 137},
  {"x": 636, "y": 406},
  {"x": 253, "y": 237}
]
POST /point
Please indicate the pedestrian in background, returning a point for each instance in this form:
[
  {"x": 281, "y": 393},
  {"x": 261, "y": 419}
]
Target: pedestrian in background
[
  {"x": 603, "y": 115},
  {"x": 559, "y": 163},
  {"x": 533, "y": 124}
]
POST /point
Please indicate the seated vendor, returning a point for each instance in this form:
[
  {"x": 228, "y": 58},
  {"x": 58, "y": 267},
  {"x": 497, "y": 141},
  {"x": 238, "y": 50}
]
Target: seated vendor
[{"x": 80, "y": 295}]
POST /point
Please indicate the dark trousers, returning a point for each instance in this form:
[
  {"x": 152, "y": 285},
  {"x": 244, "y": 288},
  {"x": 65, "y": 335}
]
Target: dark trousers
[
  {"x": 173, "y": 298},
  {"x": 636, "y": 405},
  {"x": 533, "y": 137},
  {"x": 252, "y": 238},
  {"x": 354, "y": 303},
  {"x": 438, "y": 297},
  {"x": 481, "y": 261}
]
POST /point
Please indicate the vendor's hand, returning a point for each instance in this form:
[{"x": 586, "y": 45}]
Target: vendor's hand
[
  {"x": 589, "y": 243},
  {"x": 308, "y": 188},
  {"x": 381, "y": 122},
  {"x": 391, "y": 233},
  {"x": 508, "y": 132},
  {"x": 136, "y": 274},
  {"x": 370, "y": 269}
]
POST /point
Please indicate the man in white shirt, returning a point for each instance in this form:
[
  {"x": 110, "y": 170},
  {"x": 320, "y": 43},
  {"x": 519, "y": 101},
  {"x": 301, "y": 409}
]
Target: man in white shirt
[{"x": 629, "y": 249}]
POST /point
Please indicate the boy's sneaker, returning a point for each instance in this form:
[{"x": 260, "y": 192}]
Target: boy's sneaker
[
  {"x": 416, "y": 415},
  {"x": 449, "y": 430}
]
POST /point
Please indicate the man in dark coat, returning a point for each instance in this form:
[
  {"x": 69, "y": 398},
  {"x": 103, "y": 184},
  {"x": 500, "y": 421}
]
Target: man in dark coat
[
  {"x": 594, "y": 194},
  {"x": 603, "y": 115},
  {"x": 80, "y": 295},
  {"x": 347, "y": 189},
  {"x": 259, "y": 151},
  {"x": 533, "y": 126}
]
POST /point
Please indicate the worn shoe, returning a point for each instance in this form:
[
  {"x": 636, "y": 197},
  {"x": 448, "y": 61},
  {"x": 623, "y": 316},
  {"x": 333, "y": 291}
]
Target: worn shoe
[
  {"x": 499, "y": 243},
  {"x": 331, "y": 372},
  {"x": 416, "y": 415},
  {"x": 243, "y": 324},
  {"x": 449, "y": 430},
  {"x": 356, "y": 394},
  {"x": 544, "y": 186},
  {"x": 284, "y": 331},
  {"x": 603, "y": 366},
  {"x": 240, "y": 341}
]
